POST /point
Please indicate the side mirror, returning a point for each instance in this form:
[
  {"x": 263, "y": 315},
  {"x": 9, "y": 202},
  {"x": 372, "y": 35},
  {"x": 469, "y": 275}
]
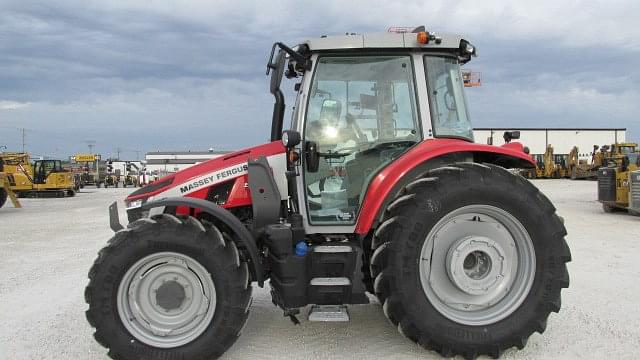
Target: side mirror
[
  {"x": 290, "y": 138},
  {"x": 330, "y": 111},
  {"x": 278, "y": 70},
  {"x": 311, "y": 156},
  {"x": 511, "y": 135}
]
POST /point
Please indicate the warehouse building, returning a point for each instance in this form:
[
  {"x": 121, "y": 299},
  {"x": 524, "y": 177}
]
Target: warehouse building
[
  {"x": 562, "y": 139},
  {"x": 164, "y": 162}
]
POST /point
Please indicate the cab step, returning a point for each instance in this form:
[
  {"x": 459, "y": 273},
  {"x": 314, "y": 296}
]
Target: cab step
[
  {"x": 329, "y": 313},
  {"x": 330, "y": 281},
  {"x": 332, "y": 249}
]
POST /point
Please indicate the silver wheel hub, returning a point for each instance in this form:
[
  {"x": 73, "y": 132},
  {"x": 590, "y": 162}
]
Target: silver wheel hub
[
  {"x": 477, "y": 265},
  {"x": 166, "y": 299}
]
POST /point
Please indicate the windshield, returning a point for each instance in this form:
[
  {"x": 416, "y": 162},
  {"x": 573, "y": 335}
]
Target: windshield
[
  {"x": 362, "y": 115},
  {"x": 449, "y": 114}
]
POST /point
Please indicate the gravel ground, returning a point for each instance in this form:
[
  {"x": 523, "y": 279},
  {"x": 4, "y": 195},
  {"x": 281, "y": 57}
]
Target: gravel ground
[{"x": 47, "y": 247}]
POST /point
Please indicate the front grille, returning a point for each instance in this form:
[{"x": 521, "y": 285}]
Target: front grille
[
  {"x": 607, "y": 184},
  {"x": 634, "y": 190}
]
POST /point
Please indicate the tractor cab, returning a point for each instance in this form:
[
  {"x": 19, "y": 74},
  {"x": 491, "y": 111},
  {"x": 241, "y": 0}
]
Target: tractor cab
[{"x": 362, "y": 102}]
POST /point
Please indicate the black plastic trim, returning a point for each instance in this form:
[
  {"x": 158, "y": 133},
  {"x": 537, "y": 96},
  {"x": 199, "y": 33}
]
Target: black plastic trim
[{"x": 243, "y": 235}]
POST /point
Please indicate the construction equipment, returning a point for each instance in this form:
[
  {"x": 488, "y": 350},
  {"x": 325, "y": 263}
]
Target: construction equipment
[
  {"x": 43, "y": 178},
  {"x": 377, "y": 187},
  {"x": 618, "y": 152},
  {"x": 547, "y": 166},
  {"x": 471, "y": 78},
  {"x": 50, "y": 179},
  {"x": 561, "y": 162},
  {"x": 131, "y": 178},
  {"x": 634, "y": 192},
  {"x": 618, "y": 185},
  {"x": 580, "y": 169},
  {"x": 5, "y": 188},
  {"x": 14, "y": 164},
  {"x": 112, "y": 177},
  {"x": 90, "y": 169}
]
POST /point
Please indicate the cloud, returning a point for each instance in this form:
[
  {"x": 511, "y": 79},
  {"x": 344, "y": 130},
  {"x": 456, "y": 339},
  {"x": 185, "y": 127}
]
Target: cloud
[
  {"x": 178, "y": 75},
  {"x": 12, "y": 105}
]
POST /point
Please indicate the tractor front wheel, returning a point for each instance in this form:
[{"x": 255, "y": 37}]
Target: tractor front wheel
[
  {"x": 470, "y": 260},
  {"x": 168, "y": 288}
]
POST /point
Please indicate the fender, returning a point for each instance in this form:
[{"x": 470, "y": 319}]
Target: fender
[
  {"x": 243, "y": 235},
  {"x": 385, "y": 183}
]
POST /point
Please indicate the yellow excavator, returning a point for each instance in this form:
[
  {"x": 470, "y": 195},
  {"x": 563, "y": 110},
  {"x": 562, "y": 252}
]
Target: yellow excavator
[
  {"x": 5, "y": 188},
  {"x": 43, "y": 178}
]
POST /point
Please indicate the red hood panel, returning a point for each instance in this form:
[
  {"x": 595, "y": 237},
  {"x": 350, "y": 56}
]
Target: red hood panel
[{"x": 228, "y": 161}]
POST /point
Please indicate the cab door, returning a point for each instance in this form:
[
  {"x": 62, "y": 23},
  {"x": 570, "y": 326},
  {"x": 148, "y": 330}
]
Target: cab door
[{"x": 360, "y": 115}]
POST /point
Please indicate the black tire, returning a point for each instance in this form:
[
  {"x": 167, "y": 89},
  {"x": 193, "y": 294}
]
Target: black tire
[
  {"x": 609, "y": 208},
  {"x": 3, "y": 197},
  {"x": 186, "y": 235},
  {"x": 399, "y": 239}
]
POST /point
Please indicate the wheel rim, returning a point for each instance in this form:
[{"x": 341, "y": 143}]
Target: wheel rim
[
  {"x": 477, "y": 265},
  {"x": 166, "y": 299}
]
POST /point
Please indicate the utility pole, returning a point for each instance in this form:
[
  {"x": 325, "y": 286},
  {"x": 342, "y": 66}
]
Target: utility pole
[
  {"x": 91, "y": 144},
  {"x": 118, "y": 152},
  {"x": 23, "y": 138}
]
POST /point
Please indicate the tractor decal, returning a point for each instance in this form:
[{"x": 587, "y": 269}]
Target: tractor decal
[
  {"x": 191, "y": 186},
  {"x": 213, "y": 178}
]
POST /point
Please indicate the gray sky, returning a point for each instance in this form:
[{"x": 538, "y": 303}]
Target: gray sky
[{"x": 162, "y": 75}]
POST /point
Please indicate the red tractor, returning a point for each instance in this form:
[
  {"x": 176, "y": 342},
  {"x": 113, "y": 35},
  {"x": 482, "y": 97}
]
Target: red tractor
[{"x": 377, "y": 187}]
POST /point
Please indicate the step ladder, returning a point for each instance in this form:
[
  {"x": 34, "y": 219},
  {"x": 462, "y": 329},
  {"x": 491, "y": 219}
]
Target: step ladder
[{"x": 329, "y": 313}]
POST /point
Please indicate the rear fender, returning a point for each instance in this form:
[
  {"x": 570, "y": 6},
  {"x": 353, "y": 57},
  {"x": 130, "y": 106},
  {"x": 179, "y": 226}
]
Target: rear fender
[
  {"x": 386, "y": 185},
  {"x": 242, "y": 235}
]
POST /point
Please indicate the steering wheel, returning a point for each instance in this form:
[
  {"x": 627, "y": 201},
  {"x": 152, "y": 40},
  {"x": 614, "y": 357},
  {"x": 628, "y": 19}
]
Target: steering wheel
[{"x": 449, "y": 101}]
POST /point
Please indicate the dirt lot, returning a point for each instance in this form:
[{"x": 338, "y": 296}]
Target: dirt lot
[{"x": 47, "y": 247}]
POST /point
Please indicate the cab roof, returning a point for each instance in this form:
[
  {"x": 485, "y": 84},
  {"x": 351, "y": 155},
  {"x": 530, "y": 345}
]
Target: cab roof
[{"x": 388, "y": 40}]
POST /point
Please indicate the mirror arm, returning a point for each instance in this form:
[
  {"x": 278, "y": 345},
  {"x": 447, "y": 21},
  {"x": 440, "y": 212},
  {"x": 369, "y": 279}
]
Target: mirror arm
[
  {"x": 278, "y": 114},
  {"x": 299, "y": 58}
]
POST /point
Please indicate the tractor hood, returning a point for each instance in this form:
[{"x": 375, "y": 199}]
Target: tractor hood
[{"x": 196, "y": 180}]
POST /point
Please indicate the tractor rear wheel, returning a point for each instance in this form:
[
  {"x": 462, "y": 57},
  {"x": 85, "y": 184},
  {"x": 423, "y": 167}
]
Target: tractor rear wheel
[
  {"x": 3, "y": 197},
  {"x": 470, "y": 260},
  {"x": 168, "y": 288}
]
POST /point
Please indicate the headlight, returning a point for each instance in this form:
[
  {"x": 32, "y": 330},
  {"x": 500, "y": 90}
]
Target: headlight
[
  {"x": 290, "y": 138},
  {"x": 134, "y": 204}
]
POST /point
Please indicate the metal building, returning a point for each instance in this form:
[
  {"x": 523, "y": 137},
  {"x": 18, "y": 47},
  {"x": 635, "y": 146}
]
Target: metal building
[
  {"x": 164, "y": 162},
  {"x": 562, "y": 139}
]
